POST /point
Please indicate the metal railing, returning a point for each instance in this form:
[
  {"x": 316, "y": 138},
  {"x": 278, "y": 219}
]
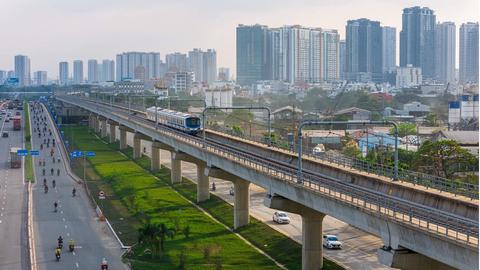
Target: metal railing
[
  {"x": 417, "y": 178},
  {"x": 412, "y": 214}
]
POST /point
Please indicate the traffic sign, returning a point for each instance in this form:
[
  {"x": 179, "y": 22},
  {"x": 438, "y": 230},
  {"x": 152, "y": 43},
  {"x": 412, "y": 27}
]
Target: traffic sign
[
  {"x": 34, "y": 152},
  {"x": 101, "y": 195},
  {"x": 90, "y": 154},
  {"x": 22, "y": 152},
  {"x": 75, "y": 154}
]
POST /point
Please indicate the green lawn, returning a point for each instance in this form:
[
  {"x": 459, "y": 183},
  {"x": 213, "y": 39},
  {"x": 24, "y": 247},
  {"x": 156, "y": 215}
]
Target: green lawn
[
  {"x": 280, "y": 247},
  {"x": 29, "y": 176},
  {"x": 136, "y": 195}
]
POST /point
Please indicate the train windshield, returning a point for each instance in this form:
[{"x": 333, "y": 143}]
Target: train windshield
[{"x": 193, "y": 122}]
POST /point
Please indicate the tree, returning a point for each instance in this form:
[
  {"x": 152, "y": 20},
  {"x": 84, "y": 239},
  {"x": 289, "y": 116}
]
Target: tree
[
  {"x": 431, "y": 120},
  {"x": 405, "y": 129},
  {"x": 443, "y": 158},
  {"x": 154, "y": 235}
]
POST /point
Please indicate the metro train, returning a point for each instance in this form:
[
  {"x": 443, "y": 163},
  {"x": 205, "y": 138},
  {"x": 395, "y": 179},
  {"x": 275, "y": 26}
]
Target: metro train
[{"x": 185, "y": 122}]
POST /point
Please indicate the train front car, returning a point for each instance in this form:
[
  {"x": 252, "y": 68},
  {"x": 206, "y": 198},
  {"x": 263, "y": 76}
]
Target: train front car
[{"x": 192, "y": 124}]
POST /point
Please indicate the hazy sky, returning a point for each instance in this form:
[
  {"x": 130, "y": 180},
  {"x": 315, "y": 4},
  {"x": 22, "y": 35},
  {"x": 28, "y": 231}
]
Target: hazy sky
[{"x": 50, "y": 31}]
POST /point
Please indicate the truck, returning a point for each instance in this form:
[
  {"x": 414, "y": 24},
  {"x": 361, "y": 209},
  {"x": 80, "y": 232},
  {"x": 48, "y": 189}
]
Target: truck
[
  {"x": 17, "y": 123},
  {"x": 15, "y": 159}
]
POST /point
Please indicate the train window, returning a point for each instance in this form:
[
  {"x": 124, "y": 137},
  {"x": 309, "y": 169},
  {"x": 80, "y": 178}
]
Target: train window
[{"x": 193, "y": 122}]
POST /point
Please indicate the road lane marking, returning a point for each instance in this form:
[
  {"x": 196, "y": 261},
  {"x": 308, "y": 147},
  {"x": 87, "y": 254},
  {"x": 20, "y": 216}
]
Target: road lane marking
[{"x": 76, "y": 264}]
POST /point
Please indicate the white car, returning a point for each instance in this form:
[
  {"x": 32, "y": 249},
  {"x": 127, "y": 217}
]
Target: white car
[
  {"x": 331, "y": 242},
  {"x": 281, "y": 217}
]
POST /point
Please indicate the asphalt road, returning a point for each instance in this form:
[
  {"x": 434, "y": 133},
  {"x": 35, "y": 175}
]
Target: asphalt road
[
  {"x": 75, "y": 218},
  {"x": 13, "y": 247},
  {"x": 359, "y": 248}
]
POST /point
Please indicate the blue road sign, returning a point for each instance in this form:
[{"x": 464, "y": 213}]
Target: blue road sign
[
  {"x": 34, "y": 152},
  {"x": 22, "y": 152},
  {"x": 76, "y": 154},
  {"x": 90, "y": 154}
]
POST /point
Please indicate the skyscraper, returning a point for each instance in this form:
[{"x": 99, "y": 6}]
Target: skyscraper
[
  {"x": 128, "y": 61},
  {"x": 223, "y": 74},
  {"x": 251, "y": 53},
  {"x": 78, "y": 71},
  {"x": 331, "y": 55},
  {"x": 92, "y": 71},
  {"x": 176, "y": 62},
  {"x": 389, "y": 49},
  {"x": 445, "y": 52},
  {"x": 469, "y": 52},
  {"x": 22, "y": 70},
  {"x": 3, "y": 76},
  {"x": 40, "y": 77},
  {"x": 364, "y": 50},
  {"x": 343, "y": 58},
  {"x": 417, "y": 39},
  {"x": 195, "y": 64},
  {"x": 63, "y": 73},
  {"x": 108, "y": 70},
  {"x": 209, "y": 66}
]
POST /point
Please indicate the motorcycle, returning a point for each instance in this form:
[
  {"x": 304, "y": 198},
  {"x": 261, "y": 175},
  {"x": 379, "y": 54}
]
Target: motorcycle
[
  {"x": 57, "y": 257},
  {"x": 71, "y": 247}
]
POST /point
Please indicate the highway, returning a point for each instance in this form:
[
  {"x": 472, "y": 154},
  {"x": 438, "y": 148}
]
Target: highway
[
  {"x": 359, "y": 248},
  {"x": 13, "y": 205},
  {"x": 75, "y": 218}
]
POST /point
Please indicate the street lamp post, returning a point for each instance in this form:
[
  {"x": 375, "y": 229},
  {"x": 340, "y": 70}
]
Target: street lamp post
[{"x": 320, "y": 123}]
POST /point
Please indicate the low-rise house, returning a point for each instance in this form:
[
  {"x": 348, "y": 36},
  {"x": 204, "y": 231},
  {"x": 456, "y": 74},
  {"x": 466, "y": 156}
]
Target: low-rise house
[
  {"x": 466, "y": 139},
  {"x": 354, "y": 113}
]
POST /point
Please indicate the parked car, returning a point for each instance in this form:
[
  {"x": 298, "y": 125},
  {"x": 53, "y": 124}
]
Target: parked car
[
  {"x": 5, "y": 134},
  {"x": 281, "y": 217},
  {"x": 7, "y": 120},
  {"x": 331, "y": 242}
]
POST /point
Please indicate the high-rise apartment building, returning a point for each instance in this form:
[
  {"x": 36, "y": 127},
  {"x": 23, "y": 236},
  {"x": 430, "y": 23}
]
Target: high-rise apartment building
[
  {"x": 389, "y": 49},
  {"x": 78, "y": 71},
  {"x": 22, "y": 70},
  {"x": 364, "y": 50},
  {"x": 251, "y": 53},
  {"x": 223, "y": 74},
  {"x": 468, "y": 59},
  {"x": 108, "y": 70},
  {"x": 417, "y": 40},
  {"x": 209, "y": 66},
  {"x": 331, "y": 55},
  {"x": 3, "y": 76},
  {"x": 92, "y": 71},
  {"x": 63, "y": 73},
  {"x": 127, "y": 62},
  {"x": 195, "y": 64},
  {"x": 176, "y": 62},
  {"x": 445, "y": 52},
  {"x": 40, "y": 77},
  {"x": 343, "y": 58}
]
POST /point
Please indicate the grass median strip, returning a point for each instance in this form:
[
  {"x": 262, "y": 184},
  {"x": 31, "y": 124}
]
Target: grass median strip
[
  {"x": 191, "y": 240},
  {"x": 280, "y": 247},
  {"x": 28, "y": 144}
]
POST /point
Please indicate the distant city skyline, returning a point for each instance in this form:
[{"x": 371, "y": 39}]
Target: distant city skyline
[{"x": 145, "y": 25}]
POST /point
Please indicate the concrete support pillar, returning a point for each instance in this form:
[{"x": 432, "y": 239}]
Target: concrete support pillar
[
  {"x": 137, "y": 145},
  {"x": 155, "y": 165},
  {"x": 312, "y": 248},
  {"x": 176, "y": 169},
  {"x": 112, "y": 135},
  {"x": 91, "y": 125},
  {"x": 203, "y": 183},
  {"x": 97, "y": 125},
  {"x": 241, "y": 215},
  {"x": 123, "y": 138},
  {"x": 103, "y": 128}
]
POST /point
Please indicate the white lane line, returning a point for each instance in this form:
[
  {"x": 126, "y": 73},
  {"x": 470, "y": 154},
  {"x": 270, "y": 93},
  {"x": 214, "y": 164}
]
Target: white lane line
[
  {"x": 76, "y": 264},
  {"x": 63, "y": 219},
  {"x": 66, "y": 226}
]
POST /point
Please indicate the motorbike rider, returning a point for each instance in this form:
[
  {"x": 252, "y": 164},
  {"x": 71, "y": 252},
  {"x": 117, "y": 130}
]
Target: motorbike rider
[
  {"x": 45, "y": 189},
  {"x": 74, "y": 191},
  {"x": 104, "y": 265},
  {"x": 54, "y": 183},
  {"x": 60, "y": 241},
  {"x": 55, "y": 205},
  {"x": 71, "y": 245},
  {"x": 58, "y": 252},
  {"x": 52, "y": 170},
  {"x": 58, "y": 172}
]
